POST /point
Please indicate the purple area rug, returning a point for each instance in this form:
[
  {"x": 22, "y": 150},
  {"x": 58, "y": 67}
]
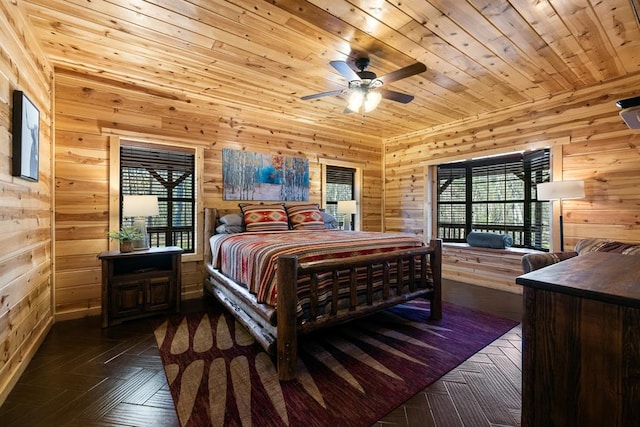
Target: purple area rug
[{"x": 349, "y": 375}]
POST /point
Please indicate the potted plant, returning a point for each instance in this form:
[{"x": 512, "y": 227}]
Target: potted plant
[{"x": 126, "y": 236}]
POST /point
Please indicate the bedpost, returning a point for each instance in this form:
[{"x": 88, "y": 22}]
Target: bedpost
[
  {"x": 210, "y": 219},
  {"x": 436, "y": 270},
  {"x": 287, "y": 279}
]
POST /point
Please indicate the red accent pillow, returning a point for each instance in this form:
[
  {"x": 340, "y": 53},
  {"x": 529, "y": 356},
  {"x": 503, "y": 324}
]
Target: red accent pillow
[
  {"x": 305, "y": 217},
  {"x": 264, "y": 218}
]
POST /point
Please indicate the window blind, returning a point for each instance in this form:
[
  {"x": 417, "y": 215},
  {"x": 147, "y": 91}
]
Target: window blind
[
  {"x": 169, "y": 175},
  {"x": 494, "y": 195}
]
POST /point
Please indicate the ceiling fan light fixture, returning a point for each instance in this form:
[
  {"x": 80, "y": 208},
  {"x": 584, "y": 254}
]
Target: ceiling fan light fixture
[
  {"x": 356, "y": 99},
  {"x": 365, "y": 87},
  {"x": 364, "y": 100},
  {"x": 371, "y": 100}
]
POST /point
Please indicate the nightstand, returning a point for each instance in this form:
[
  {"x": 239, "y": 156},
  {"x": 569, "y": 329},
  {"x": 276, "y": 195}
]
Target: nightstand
[{"x": 140, "y": 283}]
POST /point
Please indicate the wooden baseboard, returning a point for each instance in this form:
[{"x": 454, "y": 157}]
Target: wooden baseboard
[
  {"x": 7, "y": 383},
  {"x": 78, "y": 314}
]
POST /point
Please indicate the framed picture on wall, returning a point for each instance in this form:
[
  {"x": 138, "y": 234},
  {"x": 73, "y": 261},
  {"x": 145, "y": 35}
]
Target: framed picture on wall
[
  {"x": 258, "y": 176},
  {"x": 26, "y": 131}
]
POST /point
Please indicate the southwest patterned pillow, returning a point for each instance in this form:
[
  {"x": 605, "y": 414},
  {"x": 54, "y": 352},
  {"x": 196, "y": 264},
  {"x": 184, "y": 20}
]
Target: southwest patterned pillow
[
  {"x": 305, "y": 217},
  {"x": 604, "y": 245},
  {"x": 264, "y": 218}
]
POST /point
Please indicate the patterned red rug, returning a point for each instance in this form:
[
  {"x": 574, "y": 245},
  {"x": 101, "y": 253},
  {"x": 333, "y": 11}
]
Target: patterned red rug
[{"x": 349, "y": 375}]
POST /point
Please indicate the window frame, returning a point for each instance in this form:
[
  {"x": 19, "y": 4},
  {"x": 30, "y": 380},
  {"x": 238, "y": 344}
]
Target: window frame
[
  {"x": 531, "y": 241},
  {"x": 352, "y": 184},
  {"x": 115, "y": 142},
  {"x": 357, "y": 184}
]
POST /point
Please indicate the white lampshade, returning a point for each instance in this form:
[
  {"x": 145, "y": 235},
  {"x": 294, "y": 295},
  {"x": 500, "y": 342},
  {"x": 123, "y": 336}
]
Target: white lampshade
[
  {"x": 347, "y": 207},
  {"x": 139, "y": 206},
  {"x": 560, "y": 190}
]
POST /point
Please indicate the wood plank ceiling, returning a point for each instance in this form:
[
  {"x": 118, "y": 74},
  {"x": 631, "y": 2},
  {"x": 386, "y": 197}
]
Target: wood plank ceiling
[{"x": 260, "y": 57}]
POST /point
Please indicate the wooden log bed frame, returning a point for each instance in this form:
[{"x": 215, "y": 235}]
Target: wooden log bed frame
[{"x": 277, "y": 330}]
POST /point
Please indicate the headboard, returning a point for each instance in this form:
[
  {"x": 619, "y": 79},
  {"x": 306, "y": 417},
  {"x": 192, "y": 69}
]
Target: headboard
[{"x": 211, "y": 220}]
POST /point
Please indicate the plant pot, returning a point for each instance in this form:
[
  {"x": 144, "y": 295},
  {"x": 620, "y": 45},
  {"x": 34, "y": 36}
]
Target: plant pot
[{"x": 126, "y": 246}]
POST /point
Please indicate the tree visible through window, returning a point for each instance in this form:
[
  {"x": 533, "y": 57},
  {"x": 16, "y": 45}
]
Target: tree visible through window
[
  {"x": 495, "y": 195},
  {"x": 170, "y": 176}
]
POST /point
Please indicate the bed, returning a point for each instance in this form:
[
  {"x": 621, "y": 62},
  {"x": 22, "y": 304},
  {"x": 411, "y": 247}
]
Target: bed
[{"x": 281, "y": 284}]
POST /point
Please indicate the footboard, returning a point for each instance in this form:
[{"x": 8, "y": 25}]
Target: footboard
[{"x": 416, "y": 283}]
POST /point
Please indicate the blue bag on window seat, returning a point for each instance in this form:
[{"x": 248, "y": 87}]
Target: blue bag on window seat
[{"x": 489, "y": 240}]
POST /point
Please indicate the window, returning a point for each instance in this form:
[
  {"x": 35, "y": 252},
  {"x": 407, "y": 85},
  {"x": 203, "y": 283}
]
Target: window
[
  {"x": 495, "y": 195},
  {"x": 168, "y": 174},
  {"x": 340, "y": 185}
]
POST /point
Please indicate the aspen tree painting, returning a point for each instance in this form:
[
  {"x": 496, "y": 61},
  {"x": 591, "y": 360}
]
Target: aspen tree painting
[{"x": 257, "y": 176}]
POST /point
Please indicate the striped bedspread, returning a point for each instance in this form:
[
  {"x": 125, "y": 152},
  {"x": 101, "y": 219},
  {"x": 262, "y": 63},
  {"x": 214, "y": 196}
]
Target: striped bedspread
[{"x": 250, "y": 258}]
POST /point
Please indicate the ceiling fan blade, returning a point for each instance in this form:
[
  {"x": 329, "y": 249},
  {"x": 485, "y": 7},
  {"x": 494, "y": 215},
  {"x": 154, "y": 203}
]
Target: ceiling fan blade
[
  {"x": 397, "y": 96},
  {"x": 320, "y": 95},
  {"x": 403, "y": 73},
  {"x": 344, "y": 69}
]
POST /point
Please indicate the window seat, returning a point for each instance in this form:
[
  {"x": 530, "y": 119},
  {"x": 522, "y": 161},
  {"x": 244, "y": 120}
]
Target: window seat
[{"x": 491, "y": 268}]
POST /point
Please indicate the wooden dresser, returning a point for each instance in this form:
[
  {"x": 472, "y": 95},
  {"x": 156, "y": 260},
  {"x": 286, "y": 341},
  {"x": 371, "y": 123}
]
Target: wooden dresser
[
  {"x": 140, "y": 283},
  {"x": 581, "y": 342}
]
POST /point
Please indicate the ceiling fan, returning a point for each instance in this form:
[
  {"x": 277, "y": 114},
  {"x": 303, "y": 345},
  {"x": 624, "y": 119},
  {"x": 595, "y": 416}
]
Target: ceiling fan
[{"x": 365, "y": 89}]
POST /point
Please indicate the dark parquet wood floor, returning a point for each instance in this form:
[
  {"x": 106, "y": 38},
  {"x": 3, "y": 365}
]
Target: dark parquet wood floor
[{"x": 83, "y": 375}]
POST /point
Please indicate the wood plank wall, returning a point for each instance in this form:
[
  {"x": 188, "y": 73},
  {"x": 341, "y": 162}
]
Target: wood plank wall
[
  {"x": 89, "y": 108},
  {"x": 25, "y": 217},
  {"x": 601, "y": 150},
  {"x": 491, "y": 268}
]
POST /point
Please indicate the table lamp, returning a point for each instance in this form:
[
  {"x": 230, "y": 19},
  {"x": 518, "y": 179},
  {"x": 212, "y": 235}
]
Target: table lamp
[
  {"x": 348, "y": 208},
  {"x": 140, "y": 207}
]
